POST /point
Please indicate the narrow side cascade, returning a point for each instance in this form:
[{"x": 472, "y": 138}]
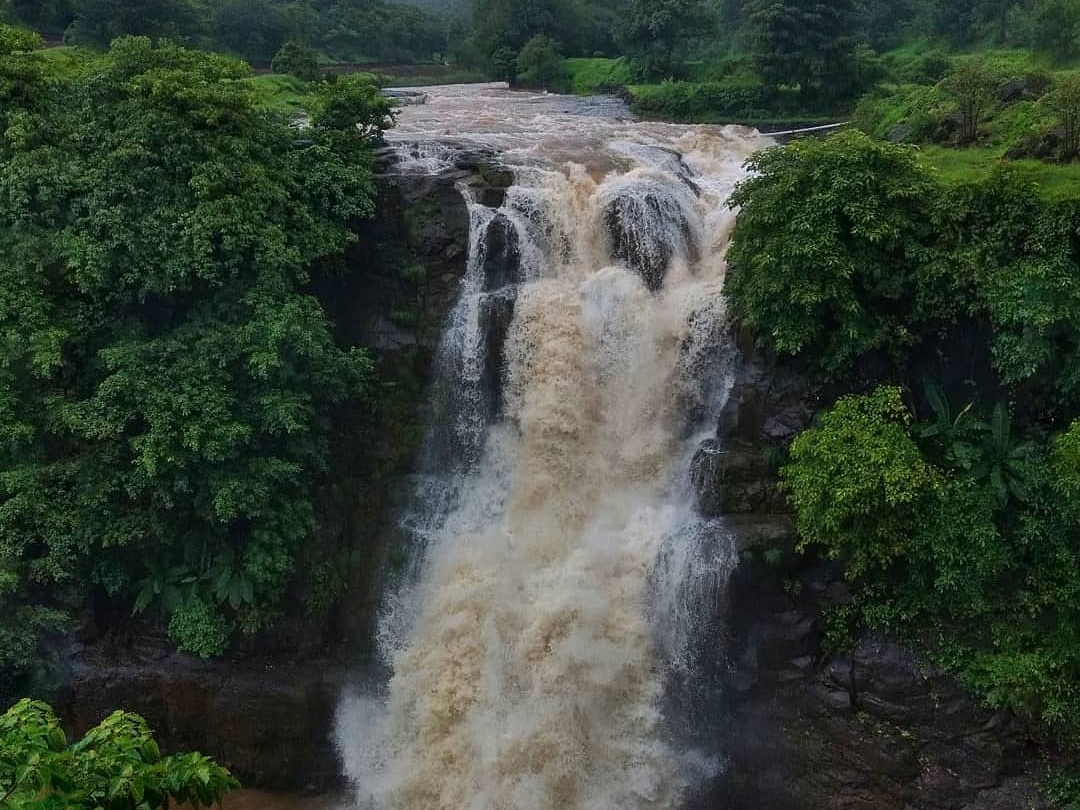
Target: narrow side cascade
[{"x": 559, "y": 575}]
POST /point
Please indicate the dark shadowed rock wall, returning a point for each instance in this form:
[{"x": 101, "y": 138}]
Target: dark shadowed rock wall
[{"x": 879, "y": 729}]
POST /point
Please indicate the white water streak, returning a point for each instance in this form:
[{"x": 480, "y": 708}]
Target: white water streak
[{"x": 564, "y": 579}]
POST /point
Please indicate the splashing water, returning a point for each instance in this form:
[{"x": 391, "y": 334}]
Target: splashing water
[{"x": 558, "y": 568}]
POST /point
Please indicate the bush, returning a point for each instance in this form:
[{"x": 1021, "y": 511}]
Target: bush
[
  {"x": 917, "y": 109},
  {"x": 988, "y": 584},
  {"x": 297, "y": 59},
  {"x": 972, "y": 85},
  {"x": 1064, "y": 101},
  {"x": 878, "y": 484},
  {"x": 826, "y": 249},
  {"x": 690, "y": 101},
  {"x": 598, "y": 75},
  {"x": 540, "y": 64},
  {"x": 198, "y": 629},
  {"x": 116, "y": 766}
]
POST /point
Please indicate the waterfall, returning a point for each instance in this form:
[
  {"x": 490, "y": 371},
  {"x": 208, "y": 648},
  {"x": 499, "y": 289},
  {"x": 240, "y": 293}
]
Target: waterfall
[{"x": 560, "y": 577}]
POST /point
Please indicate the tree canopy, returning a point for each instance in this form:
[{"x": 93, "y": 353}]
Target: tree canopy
[{"x": 168, "y": 381}]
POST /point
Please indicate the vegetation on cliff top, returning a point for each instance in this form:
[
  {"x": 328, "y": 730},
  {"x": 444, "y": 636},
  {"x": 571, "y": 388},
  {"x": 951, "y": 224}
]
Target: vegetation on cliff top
[
  {"x": 168, "y": 379},
  {"x": 947, "y": 480}
]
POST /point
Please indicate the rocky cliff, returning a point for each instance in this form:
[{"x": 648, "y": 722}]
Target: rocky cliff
[
  {"x": 877, "y": 729},
  {"x": 874, "y": 730}
]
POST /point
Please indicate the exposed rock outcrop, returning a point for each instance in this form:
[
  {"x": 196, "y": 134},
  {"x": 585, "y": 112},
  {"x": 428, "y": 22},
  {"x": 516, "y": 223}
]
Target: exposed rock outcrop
[
  {"x": 648, "y": 227},
  {"x": 876, "y": 729}
]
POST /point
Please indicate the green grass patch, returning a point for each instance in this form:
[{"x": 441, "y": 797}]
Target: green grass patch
[
  {"x": 597, "y": 74},
  {"x": 278, "y": 92},
  {"x": 1055, "y": 181},
  {"x": 66, "y": 60}
]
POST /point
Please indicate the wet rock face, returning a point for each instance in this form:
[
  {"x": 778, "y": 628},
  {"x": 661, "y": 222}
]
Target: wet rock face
[
  {"x": 502, "y": 256},
  {"x": 647, "y": 229},
  {"x": 879, "y": 728},
  {"x": 268, "y": 721},
  {"x": 800, "y": 729},
  {"x": 496, "y": 315}
]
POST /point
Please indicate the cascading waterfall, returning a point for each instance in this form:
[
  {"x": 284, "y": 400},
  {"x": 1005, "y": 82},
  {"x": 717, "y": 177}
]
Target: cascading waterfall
[{"x": 559, "y": 571}]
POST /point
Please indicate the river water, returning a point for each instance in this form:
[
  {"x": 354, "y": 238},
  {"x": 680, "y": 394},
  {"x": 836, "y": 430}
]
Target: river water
[{"x": 559, "y": 577}]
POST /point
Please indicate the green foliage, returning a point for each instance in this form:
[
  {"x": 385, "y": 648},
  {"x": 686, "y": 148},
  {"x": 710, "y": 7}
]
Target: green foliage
[
  {"x": 501, "y": 28},
  {"x": 116, "y": 766},
  {"x": 653, "y": 32},
  {"x": 807, "y": 44},
  {"x": 99, "y": 22},
  {"x": 540, "y": 64},
  {"x": 167, "y": 380},
  {"x": 693, "y": 101},
  {"x": 823, "y": 256},
  {"x": 16, "y": 40},
  {"x": 351, "y": 112},
  {"x": 855, "y": 466},
  {"x": 1064, "y": 101},
  {"x": 1054, "y": 27},
  {"x": 1034, "y": 304},
  {"x": 598, "y": 75},
  {"x": 915, "y": 110},
  {"x": 971, "y": 85},
  {"x": 297, "y": 59},
  {"x": 957, "y": 532},
  {"x": 200, "y": 629}
]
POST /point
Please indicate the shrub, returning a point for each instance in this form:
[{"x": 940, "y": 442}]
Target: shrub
[
  {"x": 685, "y": 101},
  {"x": 197, "y": 629},
  {"x": 825, "y": 254},
  {"x": 877, "y": 481},
  {"x": 971, "y": 85},
  {"x": 919, "y": 109},
  {"x": 116, "y": 766},
  {"x": 540, "y": 64},
  {"x": 1064, "y": 101},
  {"x": 297, "y": 59}
]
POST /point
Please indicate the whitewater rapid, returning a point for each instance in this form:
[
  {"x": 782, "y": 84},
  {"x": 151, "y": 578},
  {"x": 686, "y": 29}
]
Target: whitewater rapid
[{"x": 558, "y": 568}]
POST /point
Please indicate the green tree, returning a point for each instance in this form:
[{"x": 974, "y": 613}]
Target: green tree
[
  {"x": 1064, "y": 100},
  {"x": 1056, "y": 28},
  {"x": 297, "y": 59},
  {"x": 1033, "y": 301},
  {"x": 168, "y": 382},
  {"x": 826, "y": 252},
  {"x": 878, "y": 483},
  {"x": 654, "y": 31},
  {"x": 809, "y": 44},
  {"x": 254, "y": 29},
  {"x": 116, "y": 766},
  {"x": 504, "y": 27},
  {"x": 98, "y": 22},
  {"x": 539, "y": 64},
  {"x": 971, "y": 85}
]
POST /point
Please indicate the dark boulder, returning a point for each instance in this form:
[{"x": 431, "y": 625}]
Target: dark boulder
[
  {"x": 502, "y": 254},
  {"x": 647, "y": 228},
  {"x": 899, "y": 133},
  {"x": 496, "y": 315}
]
